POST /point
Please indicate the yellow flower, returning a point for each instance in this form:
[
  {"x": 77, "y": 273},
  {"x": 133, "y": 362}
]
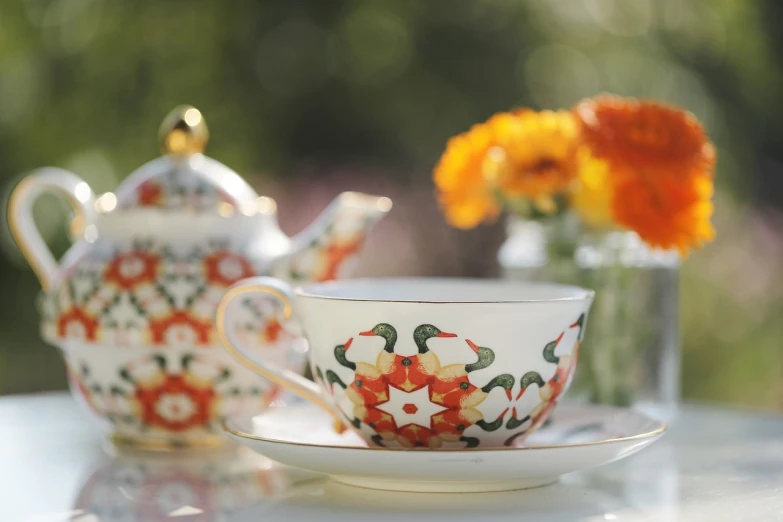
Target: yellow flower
[
  {"x": 591, "y": 196},
  {"x": 523, "y": 156},
  {"x": 640, "y": 165},
  {"x": 535, "y": 154},
  {"x": 463, "y": 192}
]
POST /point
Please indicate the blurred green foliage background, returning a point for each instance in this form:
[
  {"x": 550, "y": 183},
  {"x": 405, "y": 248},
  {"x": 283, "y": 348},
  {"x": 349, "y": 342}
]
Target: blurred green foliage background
[{"x": 308, "y": 98}]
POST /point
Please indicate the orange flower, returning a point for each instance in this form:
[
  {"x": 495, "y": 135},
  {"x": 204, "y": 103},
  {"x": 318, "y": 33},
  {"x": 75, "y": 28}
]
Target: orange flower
[
  {"x": 535, "y": 154},
  {"x": 660, "y": 163},
  {"x": 637, "y": 136},
  {"x": 462, "y": 190},
  {"x": 666, "y": 213}
]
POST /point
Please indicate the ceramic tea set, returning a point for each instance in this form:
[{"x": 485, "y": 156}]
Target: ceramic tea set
[{"x": 180, "y": 288}]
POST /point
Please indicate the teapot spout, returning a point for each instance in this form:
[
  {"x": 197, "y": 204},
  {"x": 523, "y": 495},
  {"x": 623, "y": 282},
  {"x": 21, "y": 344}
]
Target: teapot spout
[{"x": 328, "y": 248}]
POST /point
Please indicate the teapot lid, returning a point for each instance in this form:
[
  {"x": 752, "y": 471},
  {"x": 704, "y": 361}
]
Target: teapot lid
[{"x": 184, "y": 179}]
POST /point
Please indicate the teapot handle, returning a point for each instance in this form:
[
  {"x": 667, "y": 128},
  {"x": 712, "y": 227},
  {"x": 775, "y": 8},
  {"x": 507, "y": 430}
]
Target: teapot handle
[{"x": 20, "y": 215}]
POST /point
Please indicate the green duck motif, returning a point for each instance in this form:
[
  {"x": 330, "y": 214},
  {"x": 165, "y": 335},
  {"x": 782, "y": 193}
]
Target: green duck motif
[
  {"x": 385, "y": 360},
  {"x": 451, "y": 387},
  {"x": 528, "y": 379},
  {"x": 409, "y": 372},
  {"x": 549, "y": 350},
  {"x": 580, "y": 323}
]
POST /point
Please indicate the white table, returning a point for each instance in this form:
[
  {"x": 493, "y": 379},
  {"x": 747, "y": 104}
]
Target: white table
[{"x": 714, "y": 465}]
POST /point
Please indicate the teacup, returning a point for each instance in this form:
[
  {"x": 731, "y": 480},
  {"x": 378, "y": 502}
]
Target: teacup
[{"x": 426, "y": 363}]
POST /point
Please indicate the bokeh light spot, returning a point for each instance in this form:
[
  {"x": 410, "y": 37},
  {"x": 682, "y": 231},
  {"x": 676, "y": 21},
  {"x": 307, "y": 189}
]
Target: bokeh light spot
[
  {"x": 370, "y": 46},
  {"x": 82, "y": 191},
  {"x": 622, "y": 17},
  {"x": 290, "y": 59},
  {"x": 19, "y": 87},
  {"x": 557, "y": 76},
  {"x": 71, "y": 25},
  {"x": 106, "y": 203}
]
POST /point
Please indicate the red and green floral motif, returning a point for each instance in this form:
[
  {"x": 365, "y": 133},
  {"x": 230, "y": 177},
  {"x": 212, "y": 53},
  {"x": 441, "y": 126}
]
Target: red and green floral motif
[
  {"x": 435, "y": 402},
  {"x": 168, "y": 396},
  {"x": 149, "y": 293},
  {"x": 332, "y": 254},
  {"x": 452, "y": 388},
  {"x": 130, "y": 270},
  {"x": 548, "y": 391},
  {"x": 180, "y": 328},
  {"x": 150, "y": 193},
  {"x": 414, "y": 401},
  {"x": 76, "y": 323},
  {"x": 173, "y": 190},
  {"x": 173, "y": 397},
  {"x": 225, "y": 268},
  {"x": 260, "y": 326},
  {"x": 174, "y": 402}
]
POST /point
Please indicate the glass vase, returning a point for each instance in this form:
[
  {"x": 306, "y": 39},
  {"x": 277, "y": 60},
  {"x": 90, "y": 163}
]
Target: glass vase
[{"x": 630, "y": 356}]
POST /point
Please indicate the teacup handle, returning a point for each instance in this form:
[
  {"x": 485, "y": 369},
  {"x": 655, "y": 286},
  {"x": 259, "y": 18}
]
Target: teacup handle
[
  {"x": 282, "y": 293},
  {"x": 20, "y": 215}
]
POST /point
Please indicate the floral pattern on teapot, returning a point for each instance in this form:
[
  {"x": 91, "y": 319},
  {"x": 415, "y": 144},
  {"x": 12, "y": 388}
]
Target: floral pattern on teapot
[
  {"x": 172, "y": 192},
  {"x": 154, "y": 294},
  {"x": 167, "y": 398},
  {"x": 131, "y": 304}
]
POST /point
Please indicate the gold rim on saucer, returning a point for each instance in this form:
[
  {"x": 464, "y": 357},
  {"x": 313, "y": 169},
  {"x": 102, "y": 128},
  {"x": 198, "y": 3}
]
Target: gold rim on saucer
[{"x": 658, "y": 431}]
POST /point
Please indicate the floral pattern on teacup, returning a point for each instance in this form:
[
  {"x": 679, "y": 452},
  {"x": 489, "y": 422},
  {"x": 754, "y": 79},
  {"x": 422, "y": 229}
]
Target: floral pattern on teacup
[{"x": 416, "y": 402}]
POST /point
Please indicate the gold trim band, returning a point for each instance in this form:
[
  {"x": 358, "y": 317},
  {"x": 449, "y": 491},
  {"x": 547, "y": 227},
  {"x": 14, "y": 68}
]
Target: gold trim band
[
  {"x": 639, "y": 436},
  {"x": 310, "y": 290}
]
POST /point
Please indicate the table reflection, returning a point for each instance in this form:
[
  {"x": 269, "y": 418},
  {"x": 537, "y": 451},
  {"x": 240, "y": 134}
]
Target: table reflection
[
  {"x": 242, "y": 486},
  {"x": 198, "y": 488}
]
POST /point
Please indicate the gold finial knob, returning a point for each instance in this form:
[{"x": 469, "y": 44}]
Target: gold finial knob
[{"x": 183, "y": 131}]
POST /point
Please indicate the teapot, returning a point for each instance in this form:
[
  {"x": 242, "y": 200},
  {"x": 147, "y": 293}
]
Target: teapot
[{"x": 131, "y": 304}]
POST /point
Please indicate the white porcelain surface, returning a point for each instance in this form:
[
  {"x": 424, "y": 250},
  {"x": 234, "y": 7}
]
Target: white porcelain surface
[
  {"x": 428, "y": 362},
  {"x": 577, "y": 438},
  {"x": 714, "y": 464}
]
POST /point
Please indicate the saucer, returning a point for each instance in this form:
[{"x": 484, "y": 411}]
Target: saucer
[{"x": 578, "y": 437}]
